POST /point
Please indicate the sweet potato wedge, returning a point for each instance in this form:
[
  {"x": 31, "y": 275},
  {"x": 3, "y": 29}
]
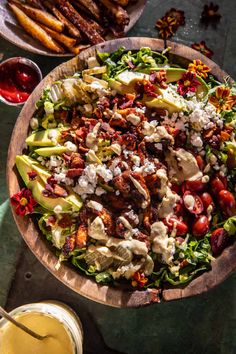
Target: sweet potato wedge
[
  {"x": 73, "y": 31},
  {"x": 42, "y": 17},
  {"x": 35, "y": 30},
  {"x": 60, "y": 37}
]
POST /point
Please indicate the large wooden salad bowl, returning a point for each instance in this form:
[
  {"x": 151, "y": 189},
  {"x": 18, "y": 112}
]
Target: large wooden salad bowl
[{"x": 117, "y": 297}]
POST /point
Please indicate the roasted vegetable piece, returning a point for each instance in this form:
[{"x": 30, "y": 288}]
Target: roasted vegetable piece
[
  {"x": 70, "y": 12},
  {"x": 35, "y": 30},
  {"x": 42, "y": 17}
]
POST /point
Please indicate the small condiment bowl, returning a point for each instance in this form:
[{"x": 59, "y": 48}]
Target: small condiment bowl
[
  {"x": 27, "y": 62},
  {"x": 58, "y": 310}
]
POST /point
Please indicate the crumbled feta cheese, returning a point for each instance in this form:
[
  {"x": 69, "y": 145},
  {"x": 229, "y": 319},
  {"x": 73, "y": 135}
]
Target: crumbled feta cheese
[
  {"x": 88, "y": 108},
  {"x": 70, "y": 146},
  {"x": 94, "y": 205},
  {"x": 34, "y": 123},
  {"x": 196, "y": 140},
  {"x": 99, "y": 191},
  {"x": 116, "y": 148},
  {"x": 133, "y": 118}
]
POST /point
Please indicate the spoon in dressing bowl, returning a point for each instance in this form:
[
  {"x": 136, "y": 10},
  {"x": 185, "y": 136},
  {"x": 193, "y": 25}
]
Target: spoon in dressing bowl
[{"x": 6, "y": 315}]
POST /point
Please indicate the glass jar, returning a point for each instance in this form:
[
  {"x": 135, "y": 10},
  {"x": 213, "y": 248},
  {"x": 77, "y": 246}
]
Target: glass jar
[{"x": 61, "y": 312}]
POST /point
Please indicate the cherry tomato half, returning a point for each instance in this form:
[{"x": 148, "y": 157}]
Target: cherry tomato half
[
  {"x": 193, "y": 203},
  {"x": 200, "y": 162},
  {"x": 200, "y": 226},
  {"x": 195, "y": 186},
  {"x": 181, "y": 227},
  {"x": 217, "y": 184},
  {"x": 207, "y": 200},
  {"x": 227, "y": 202},
  {"x": 219, "y": 239}
]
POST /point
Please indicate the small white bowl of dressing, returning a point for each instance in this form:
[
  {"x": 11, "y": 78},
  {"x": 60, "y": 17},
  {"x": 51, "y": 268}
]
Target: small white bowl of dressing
[{"x": 45, "y": 318}]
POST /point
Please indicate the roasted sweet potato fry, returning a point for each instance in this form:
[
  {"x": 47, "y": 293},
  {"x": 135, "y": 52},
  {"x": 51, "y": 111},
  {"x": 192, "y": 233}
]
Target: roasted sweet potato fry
[
  {"x": 117, "y": 12},
  {"x": 92, "y": 7},
  {"x": 73, "y": 31},
  {"x": 42, "y": 17},
  {"x": 35, "y": 30},
  {"x": 122, "y": 2},
  {"x": 60, "y": 37},
  {"x": 70, "y": 12},
  {"x": 77, "y": 49}
]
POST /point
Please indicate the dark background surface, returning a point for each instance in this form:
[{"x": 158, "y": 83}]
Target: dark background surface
[{"x": 203, "y": 324}]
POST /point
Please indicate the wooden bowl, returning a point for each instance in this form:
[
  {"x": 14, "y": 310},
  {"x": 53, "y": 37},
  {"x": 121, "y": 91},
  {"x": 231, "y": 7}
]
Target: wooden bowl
[
  {"x": 117, "y": 297},
  {"x": 14, "y": 33}
]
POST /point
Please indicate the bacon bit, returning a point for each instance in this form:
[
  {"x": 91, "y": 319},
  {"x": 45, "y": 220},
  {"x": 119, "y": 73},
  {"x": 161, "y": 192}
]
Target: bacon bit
[
  {"x": 69, "y": 245},
  {"x": 159, "y": 78},
  {"x": 65, "y": 221},
  {"x": 183, "y": 264},
  {"x": 153, "y": 183},
  {"x": 81, "y": 134},
  {"x": 199, "y": 68},
  {"x": 24, "y": 202},
  {"x": 202, "y": 48},
  {"x": 74, "y": 172},
  {"x": 81, "y": 236},
  {"x": 64, "y": 115},
  {"x": 60, "y": 191},
  {"x": 129, "y": 140},
  {"x": 51, "y": 181},
  {"x": 116, "y": 201},
  {"x": 51, "y": 220},
  {"x": 77, "y": 161},
  {"x": 118, "y": 122},
  {"x": 32, "y": 175},
  {"x": 139, "y": 280}
]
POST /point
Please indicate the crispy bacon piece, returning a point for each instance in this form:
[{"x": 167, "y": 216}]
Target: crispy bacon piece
[
  {"x": 60, "y": 191},
  {"x": 108, "y": 221},
  {"x": 159, "y": 78},
  {"x": 77, "y": 161},
  {"x": 150, "y": 215},
  {"x": 74, "y": 172},
  {"x": 153, "y": 183},
  {"x": 115, "y": 201},
  {"x": 69, "y": 245},
  {"x": 69, "y": 11},
  {"x": 129, "y": 140},
  {"x": 122, "y": 183},
  {"x": 81, "y": 236},
  {"x": 65, "y": 221}
]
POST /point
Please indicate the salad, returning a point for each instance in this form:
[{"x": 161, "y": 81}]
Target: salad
[{"x": 130, "y": 169}]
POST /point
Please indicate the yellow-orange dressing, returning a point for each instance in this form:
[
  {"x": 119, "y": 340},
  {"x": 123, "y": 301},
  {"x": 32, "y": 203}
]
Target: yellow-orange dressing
[{"x": 15, "y": 341}]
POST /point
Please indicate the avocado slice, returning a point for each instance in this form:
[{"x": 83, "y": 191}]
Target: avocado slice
[
  {"x": 129, "y": 78},
  {"x": 49, "y": 151},
  {"x": 42, "y": 138},
  {"x": 26, "y": 164}
]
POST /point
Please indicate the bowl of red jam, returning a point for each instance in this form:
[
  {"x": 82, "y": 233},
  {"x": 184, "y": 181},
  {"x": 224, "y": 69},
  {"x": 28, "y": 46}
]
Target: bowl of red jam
[{"x": 18, "y": 78}]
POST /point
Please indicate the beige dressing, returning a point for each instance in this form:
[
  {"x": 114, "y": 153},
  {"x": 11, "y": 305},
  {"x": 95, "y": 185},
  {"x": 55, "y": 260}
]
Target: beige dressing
[{"x": 15, "y": 341}]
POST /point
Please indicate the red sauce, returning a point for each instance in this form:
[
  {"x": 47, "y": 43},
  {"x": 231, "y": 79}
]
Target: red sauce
[{"x": 17, "y": 81}]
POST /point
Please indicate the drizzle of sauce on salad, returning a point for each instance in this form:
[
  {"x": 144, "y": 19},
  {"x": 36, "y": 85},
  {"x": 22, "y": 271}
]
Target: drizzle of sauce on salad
[{"x": 17, "y": 81}]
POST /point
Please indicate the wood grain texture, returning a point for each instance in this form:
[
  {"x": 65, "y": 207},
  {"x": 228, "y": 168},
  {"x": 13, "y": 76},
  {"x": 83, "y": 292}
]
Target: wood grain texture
[
  {"x": 12, "y": 32},
  {"x": 221, "y": 267}
]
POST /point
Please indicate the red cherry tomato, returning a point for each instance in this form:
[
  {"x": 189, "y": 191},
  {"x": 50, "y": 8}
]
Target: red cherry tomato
[
  {"x": 206, "y": 200},
  {"x": 195, "y": 186},
  {"x": 217, "y": 184},
  {"x": 178, "y": 209},
  {"x": 200, "y": 162},
  {"x": 219, "y": 239},
  {"x": 193, "y": 203},
  {"x": 200, "y": 226},
  {"x": 181, "y": 227},
  {"x": 227, "y": 202}
]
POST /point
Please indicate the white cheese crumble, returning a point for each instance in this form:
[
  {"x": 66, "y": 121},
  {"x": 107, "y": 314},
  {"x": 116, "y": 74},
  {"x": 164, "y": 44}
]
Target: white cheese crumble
[
  {"x": 70, "y": 146},
  {"x": 133, "y": 118},
  {"x": 95, "y": 205}
]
